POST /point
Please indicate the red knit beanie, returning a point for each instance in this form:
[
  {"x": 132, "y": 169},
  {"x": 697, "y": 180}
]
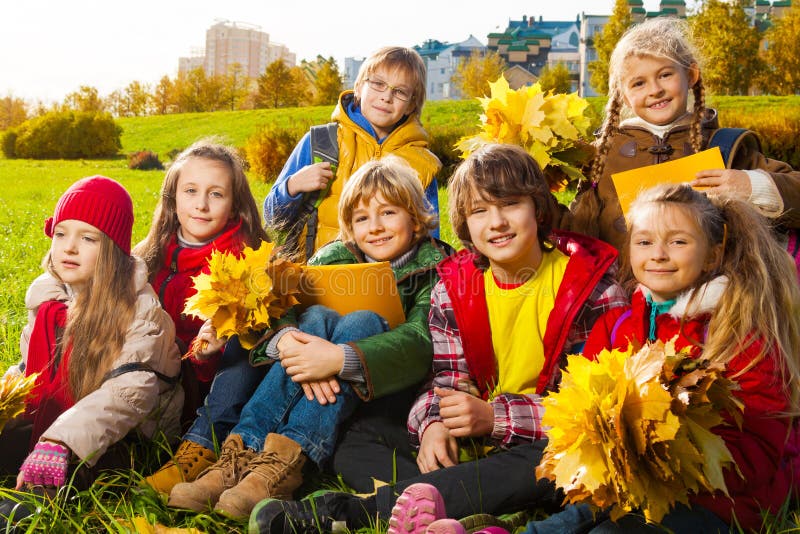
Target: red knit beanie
[{"x": 98, "y": 201}]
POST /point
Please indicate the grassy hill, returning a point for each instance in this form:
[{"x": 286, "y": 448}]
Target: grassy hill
[{"x": 163, "y": 133}]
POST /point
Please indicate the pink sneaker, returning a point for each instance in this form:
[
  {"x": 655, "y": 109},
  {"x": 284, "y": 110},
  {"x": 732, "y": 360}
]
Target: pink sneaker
[
  {"x": 446, "y": 526},
  {"x": 416, "y": 508}
]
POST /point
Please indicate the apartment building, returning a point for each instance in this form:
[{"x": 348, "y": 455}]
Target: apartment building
[{"x": 229, "y": 43}]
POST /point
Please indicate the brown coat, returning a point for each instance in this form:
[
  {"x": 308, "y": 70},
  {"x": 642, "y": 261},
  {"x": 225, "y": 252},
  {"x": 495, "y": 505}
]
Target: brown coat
[{"x": 636, "y": 147}]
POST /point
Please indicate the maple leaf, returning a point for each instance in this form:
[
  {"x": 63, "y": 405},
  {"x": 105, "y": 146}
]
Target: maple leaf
[
  {"x": 552, "y": 128},
  {"x": 632, "y": 430},
  {"x": 240, "y": 294}
]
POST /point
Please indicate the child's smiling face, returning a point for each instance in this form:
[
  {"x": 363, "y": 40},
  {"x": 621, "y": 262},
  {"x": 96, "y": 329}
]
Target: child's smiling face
[
  {"x": 656, "y": 88},
  {"x": 383, "y": 109},
  {"x": 203, "y": 199},
  {"x": 382, "y": 230},
  {"x": 505, "y": 231},
  {"x": 669, "y": 252}
]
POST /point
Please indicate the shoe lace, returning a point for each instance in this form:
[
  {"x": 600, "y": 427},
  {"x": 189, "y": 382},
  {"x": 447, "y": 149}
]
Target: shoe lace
[
  {"x": 269, "y": 465},
  {"x": 187, "y": 454},
  {"x": 232, "y": 460}
]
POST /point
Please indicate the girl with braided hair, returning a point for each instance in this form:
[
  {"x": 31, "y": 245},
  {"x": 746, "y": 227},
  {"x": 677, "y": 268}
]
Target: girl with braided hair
[{"x": 655, "y": 113}]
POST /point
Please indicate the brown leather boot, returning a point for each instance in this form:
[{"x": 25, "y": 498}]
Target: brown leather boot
[
  {"x": 188, "y": 462},
  {"x": 276, "y": 472},
  {"x": 203, "y": 493}
]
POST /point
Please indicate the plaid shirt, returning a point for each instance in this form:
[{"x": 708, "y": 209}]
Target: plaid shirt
[{"x": 517, "y": 418}]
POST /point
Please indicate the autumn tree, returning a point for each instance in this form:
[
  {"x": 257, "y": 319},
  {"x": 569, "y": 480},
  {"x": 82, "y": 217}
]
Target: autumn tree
[
  {"x": 328, "y": 82},
  {"x": 555, "y": 78},
  {"x": 13, "y": 111},
  {"x": 138, "y": 98},
  {"x": 728, "y": 45},
  {"x": 782, "y": 72},
  {"x": 281, "y": 86},
  {"x": 163, "y": 96},
  {"x": 236, "y": 86},
  {"x": 604, "y": 44},
  {"x": 86, "y": 98},
  {"x": 473, "y": 75}
]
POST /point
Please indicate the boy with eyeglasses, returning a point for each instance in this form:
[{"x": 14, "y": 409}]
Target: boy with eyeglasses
[{"x": 381, "y": 115}]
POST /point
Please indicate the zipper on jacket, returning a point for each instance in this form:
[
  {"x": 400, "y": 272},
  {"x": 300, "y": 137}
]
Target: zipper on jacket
[{"x": 173, "y": 268}]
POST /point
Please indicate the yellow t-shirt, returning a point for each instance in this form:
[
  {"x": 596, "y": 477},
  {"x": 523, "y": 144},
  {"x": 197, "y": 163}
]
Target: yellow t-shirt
[{"x": 518, "y": 319}]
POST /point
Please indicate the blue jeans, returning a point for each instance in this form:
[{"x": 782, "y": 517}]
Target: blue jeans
[
  {"x": 279, "y": 404},
  {"x": 232, "y": 387},
  {"x": 576, "y": 519}
]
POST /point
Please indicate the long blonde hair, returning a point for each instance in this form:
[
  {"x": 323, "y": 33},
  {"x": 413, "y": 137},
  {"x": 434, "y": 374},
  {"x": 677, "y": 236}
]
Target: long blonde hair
[
  {"x": 762, "y": 300},
  {"x": 165, "y": 219},
  {"x": 98, "y": 319},
  {"x": 662, "y": 37}
]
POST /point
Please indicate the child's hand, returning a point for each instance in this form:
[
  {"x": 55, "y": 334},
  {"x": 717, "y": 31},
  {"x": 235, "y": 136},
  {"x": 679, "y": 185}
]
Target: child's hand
[
  {"x": 310, "y": 178},
  {"x": 437, "y": 448},
  {"x": 729, "y": 182},
  {"x": 464, "y": 415},
  {"x": 46, "y": 465},
  {"x": 323, "y": 390},
  {"x": 313, "y": 359},
  {"x": 209, "y": 344}
]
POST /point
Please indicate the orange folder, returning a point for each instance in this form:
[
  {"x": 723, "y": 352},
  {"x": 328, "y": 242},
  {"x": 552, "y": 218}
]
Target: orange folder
[
  {"x": 630, "y": 183},
  {"x": 353, "y": 287}
]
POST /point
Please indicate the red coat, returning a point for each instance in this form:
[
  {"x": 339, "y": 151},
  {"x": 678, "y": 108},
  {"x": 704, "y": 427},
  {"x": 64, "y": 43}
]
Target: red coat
[
  {"x": 173, "y": 284},
  {"x": 760, "y": 448}
]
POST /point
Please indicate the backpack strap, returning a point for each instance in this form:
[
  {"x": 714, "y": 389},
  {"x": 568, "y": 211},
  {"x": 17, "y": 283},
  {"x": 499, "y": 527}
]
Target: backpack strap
[
  {"x": 324, "y": 147},
  {"x": 139, "y": 366},
  {"x": 730, "y": 140}
]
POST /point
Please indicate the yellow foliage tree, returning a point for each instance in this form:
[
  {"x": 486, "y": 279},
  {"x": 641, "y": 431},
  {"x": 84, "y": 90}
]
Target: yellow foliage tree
[{"x": 473, "y": 75}]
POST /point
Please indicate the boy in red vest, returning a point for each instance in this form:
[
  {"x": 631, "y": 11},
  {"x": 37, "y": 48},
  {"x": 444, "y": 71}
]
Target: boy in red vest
[{"x": 506, "y": 312}]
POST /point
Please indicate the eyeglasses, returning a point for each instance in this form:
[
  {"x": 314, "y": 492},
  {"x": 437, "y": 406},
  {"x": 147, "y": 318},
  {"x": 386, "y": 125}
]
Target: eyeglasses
[{"x": 397, "y": 92}]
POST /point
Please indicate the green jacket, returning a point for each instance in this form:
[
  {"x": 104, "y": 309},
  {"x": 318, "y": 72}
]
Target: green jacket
[{"x": 394, "y": 360}]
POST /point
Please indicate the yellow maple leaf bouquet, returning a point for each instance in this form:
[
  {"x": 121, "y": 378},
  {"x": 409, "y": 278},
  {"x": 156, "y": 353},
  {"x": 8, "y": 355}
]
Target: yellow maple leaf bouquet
[
  {"x": 14, "y": 392},
  {"x": 552, "y": 128},
  {"x": 241, "y": 293},
  {"x": 632, "y": 430}
]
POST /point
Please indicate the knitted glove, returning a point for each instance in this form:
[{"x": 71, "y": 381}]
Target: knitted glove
[{"x": 46, "y": 465}]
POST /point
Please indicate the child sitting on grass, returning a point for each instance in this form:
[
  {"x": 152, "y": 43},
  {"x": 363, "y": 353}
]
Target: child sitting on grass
[
  {"x": 104, "y": 350},
  {"x": 325, "y": 365},
  {"x": 205, "y": 205}
]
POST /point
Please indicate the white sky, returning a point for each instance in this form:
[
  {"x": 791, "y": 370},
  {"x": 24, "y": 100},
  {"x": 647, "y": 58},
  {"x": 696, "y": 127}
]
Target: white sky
[{"x": 50, "y": 48}]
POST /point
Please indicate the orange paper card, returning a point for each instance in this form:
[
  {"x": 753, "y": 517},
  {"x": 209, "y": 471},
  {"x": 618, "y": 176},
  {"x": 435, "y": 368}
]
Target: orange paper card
[
  {"x": 353, "y": 287},
  {"x": 630, "y": 183}
]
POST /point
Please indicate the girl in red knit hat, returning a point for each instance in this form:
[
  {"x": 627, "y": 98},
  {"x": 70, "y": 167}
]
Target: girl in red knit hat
[
  {"x": 102, "y": 346},
  {"x": 205, "y": 205}
]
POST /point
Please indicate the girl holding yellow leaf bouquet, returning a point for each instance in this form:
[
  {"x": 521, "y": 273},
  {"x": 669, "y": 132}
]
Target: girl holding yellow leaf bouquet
[
  {"x": 102, "y": 346},
  {"x": 654, "y": 72},
  {"x": 205, "y": 206},
  {"x": 323, "y": 365},
  {"x": 709, "y": 273}
]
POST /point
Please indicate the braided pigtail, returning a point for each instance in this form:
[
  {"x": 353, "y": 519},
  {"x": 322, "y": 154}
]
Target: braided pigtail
[
  {"x": 696, "y": 131},
  {"x": 586, "y": 208}
]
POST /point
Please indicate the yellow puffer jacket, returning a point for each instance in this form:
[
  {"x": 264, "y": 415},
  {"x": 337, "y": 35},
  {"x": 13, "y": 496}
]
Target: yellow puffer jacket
[{"x": 357, "y": 146}]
